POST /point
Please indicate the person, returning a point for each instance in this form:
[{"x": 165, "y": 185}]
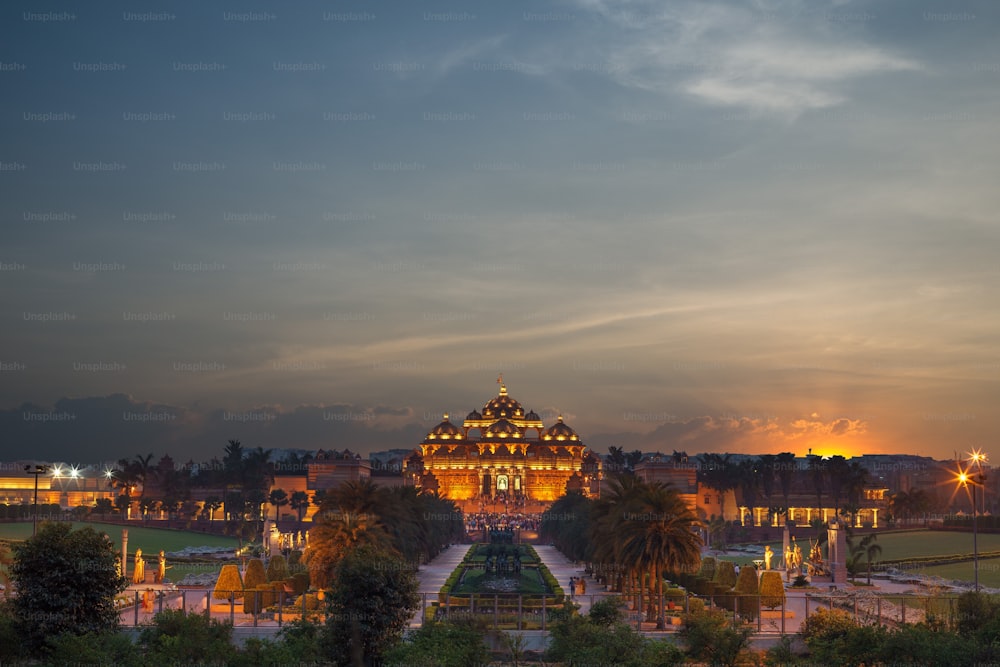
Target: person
[
  {"x": 139, "y": 573},
  {"x": 572, "y": 586},
  {"x": 583, "y": 585}
]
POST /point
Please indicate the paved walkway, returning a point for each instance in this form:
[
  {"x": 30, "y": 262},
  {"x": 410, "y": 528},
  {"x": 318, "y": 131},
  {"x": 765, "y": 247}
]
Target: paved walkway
[
  {"x": 562, "y": 569},
  {"x": 431, "y": 577}
]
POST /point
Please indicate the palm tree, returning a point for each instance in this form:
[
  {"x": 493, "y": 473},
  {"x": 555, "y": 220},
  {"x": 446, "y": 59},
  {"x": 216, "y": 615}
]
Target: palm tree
[
  {"x": 141, "y": 472},
  {"x": 278, "y": 498},
  {"x": 872, "y": 550},
  {"x": 855, "y": 480},
  {"x": 749, "y": 485},
  {"x": 664, "y": 539},
  {"x": 336, "y": 533},
  {"x": 785, "y": 466},
  {"x": 719, "y": 472},
  {"x": 765, "y": 472},
  {"x": 299, "y": 502},
  {"x": 212, "y": 503},
  {"x": 837, "y": 473},
  {"x": 817, "y": 475}
]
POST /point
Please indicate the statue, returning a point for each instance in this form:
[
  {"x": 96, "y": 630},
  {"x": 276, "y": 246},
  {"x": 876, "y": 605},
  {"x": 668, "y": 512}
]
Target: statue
[
  {"x": 789, "y": 558},
  {"x": 768, "y": 554},
  {"x": 139, "y": 573},
  {"x": 161, "y": 569},
  {"x": 798, "y": 556}
]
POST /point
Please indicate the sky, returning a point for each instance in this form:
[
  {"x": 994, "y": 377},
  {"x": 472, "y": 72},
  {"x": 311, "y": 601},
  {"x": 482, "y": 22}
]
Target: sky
[{"x": 697, "y": 225}]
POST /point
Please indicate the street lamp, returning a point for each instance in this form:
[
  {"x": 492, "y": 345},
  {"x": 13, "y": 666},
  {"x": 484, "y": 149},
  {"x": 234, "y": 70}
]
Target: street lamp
[
  {"x": 977, "y": 457},
  {"x": 967, "y": 480},
  {"x": 37, "y": 471}
]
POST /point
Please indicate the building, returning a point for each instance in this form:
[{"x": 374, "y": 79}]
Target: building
[
  {"x": 504, "y": 454},
  {"x": 62, "y": 484}
]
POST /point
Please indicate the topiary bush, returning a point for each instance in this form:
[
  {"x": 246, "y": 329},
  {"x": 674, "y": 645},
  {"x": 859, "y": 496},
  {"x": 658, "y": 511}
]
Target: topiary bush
[
  {"x": 301, "y": 582},
  {"x": 707, "y": 568},
  {"x": 746, "y": 589},
  {"x": 772, "y": 590},
  {"x": 229, "y": 585},
  {"x": 277, "y": 568},
  {"x": 725, "y": 573},
  {"x": 254, "y": 576}
]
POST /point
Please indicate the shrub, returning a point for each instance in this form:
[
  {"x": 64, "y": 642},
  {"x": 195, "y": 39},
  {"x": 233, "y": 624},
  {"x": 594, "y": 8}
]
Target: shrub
[
  {"x": 66, "y": 581},
  {"x": 835, "y": 638},
  {"x": 710, "y": 638},
  {"x": 772, "y": 590},
  {"x": 707, "y": 568},
  {"x": 257, "y": 599},
  {"x": 277, "y": 568},
  {"x": 725, "y": 573},
  {"x": 746, "y": 588},
  {"x": 301, "y": 582},
  {"x": 108, "y": 648},
  {"x": 229, "y": 585},
  {"x": 607, "y": 612},
  {"x": 177, "y": 638},
  {"x": 254, "y": 575}
]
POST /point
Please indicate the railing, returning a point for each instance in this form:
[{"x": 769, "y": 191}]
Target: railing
[
  {"x": 138, "y": 607},
  {"x": 536, "y": 612}
]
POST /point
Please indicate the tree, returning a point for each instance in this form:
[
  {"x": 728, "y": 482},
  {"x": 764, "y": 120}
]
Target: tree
[
  {"x": 747, "y": 588},
  {"x": 6, "y": 560},
  {"x": 299, "y": 502},
  {"x": 817, "y": 475},
  {"x": 443, "y": 644},
  {"x": 661, "y": 537},
  {"x": 211, "y": 504},
  {"x": 103, "y": 506},
  {"x": 229, "y": 585},
  {"x": 374, "y": 598},
  {"x": 66, "y": 581},
  {"x": 720, "y": 473},
  {"x": 765, "y": 473},
  {"x": 749, "y": 484},
  {"x": 772, "y": 590},
  {"x": 278, "y": 498},
  {"x": 784, "y": 464}
]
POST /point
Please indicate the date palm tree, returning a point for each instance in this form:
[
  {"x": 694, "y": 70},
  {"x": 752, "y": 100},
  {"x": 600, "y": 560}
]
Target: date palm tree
[
  {"x": 661, "y": 538},
  {"x": 278, "y": 498},
  {"x": 299, "y": 501}
]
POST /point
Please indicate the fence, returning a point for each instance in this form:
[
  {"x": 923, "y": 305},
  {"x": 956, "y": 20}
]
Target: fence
[
  {"x": 527, "y": 612},
  {"x": 258, "y": 607}
]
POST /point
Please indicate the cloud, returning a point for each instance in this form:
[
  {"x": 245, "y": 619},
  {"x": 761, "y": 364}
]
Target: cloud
[{"x": 783, "y": 62}]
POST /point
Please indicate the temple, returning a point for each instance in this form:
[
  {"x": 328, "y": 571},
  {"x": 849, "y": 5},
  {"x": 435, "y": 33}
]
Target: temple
[{"x": 502, "y": 454}]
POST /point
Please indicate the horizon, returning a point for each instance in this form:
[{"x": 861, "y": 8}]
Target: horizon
[{"x": 709, "y": 226}]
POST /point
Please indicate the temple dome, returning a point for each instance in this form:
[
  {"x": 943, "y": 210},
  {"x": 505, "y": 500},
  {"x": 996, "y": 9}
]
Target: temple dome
[
  {"x": 559, "y": 431},
  {"x": 474, "y": 416},
  {"x": 445, "y": 431},
  {"x": 502, "y": 428},
  {"x": 532, "y": 416},
  {"x": 502, "y": 406}
]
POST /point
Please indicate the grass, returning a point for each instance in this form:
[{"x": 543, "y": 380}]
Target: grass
[
  {"x": 989, "y": 571},
  {"x": 528, "y": 583},
  {"x": 150, "y": 540},
  {"x": 914, "y": 543}
]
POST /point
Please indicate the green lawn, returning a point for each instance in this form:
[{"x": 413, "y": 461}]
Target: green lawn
[
  {"x": 989, "y": 572},
  {"x": 478, "y": 581},
  {"x": 912, "y": 544},
  {"x": 150, "y": 540}
]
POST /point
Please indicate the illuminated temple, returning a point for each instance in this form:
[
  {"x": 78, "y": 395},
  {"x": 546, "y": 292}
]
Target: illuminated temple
[{"x": 504, "y": 453}]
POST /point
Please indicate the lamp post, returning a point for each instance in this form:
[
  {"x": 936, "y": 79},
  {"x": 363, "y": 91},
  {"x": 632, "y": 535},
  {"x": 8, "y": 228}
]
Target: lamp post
[
  {"x": 37, "y": 471},
  {"x": 966, "y": 480}
]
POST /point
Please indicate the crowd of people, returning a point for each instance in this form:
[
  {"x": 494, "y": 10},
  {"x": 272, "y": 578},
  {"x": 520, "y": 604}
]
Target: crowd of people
[{"x": 481, "y": 521}]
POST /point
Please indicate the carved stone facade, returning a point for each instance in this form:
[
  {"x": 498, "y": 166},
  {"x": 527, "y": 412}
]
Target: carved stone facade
[{"x": 503, "y": 452}]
